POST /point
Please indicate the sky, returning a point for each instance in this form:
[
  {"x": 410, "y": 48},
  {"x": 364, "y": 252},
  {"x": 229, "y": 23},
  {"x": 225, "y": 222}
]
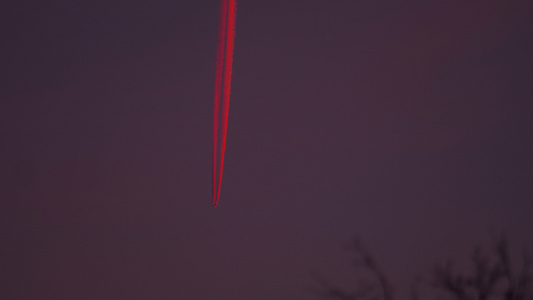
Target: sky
[{"x": 404, "y": 123}]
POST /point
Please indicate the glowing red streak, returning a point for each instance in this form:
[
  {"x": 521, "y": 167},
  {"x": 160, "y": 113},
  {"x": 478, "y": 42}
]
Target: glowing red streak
[
  {"x": 226, "y": 31},
  {"x": 218, "y": 88}
]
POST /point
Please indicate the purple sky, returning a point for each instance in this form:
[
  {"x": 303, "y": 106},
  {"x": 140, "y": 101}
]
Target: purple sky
[{"x": 404, "y": 122}]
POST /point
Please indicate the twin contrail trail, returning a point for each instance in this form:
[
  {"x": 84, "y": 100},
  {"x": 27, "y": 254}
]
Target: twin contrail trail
[{"x": 226, "y": 40}]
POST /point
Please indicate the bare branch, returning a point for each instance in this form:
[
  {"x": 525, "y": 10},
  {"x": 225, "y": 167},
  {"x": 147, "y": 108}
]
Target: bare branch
[
  {"x": 489, "y": 273},
  {"x": 377, "y": 289}
]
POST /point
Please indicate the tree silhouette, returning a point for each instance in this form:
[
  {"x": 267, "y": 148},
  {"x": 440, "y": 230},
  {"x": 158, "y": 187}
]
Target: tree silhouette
[
  {"x": 492, "y": 277},
  {"x": 377, "y": 287}
]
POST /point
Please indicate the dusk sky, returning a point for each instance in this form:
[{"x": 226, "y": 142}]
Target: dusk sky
[{"x": 406, "y": 123}]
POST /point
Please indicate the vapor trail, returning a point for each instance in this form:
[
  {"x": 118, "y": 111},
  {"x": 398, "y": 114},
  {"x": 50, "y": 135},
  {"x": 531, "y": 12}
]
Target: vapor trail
[
  {"x": 218, "y": 88},
  {"x": 226, "y": 39}
]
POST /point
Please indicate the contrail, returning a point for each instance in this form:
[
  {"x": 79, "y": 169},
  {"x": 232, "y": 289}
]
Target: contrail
[
  {"x": 226, "y": 41},
  {"x": 218, "y": 88}
]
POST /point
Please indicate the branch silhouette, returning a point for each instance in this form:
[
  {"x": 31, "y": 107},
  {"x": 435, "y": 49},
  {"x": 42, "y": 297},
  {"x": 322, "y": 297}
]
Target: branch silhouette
[
  {"x": 379, "y": 288},
  {"x": 492, "y": 277}
]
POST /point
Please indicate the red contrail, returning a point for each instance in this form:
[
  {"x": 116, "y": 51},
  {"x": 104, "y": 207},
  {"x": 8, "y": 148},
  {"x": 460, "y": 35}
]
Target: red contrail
[
  {"x": 218, "y": 87},
  {"x": 226, "y": 38}
]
